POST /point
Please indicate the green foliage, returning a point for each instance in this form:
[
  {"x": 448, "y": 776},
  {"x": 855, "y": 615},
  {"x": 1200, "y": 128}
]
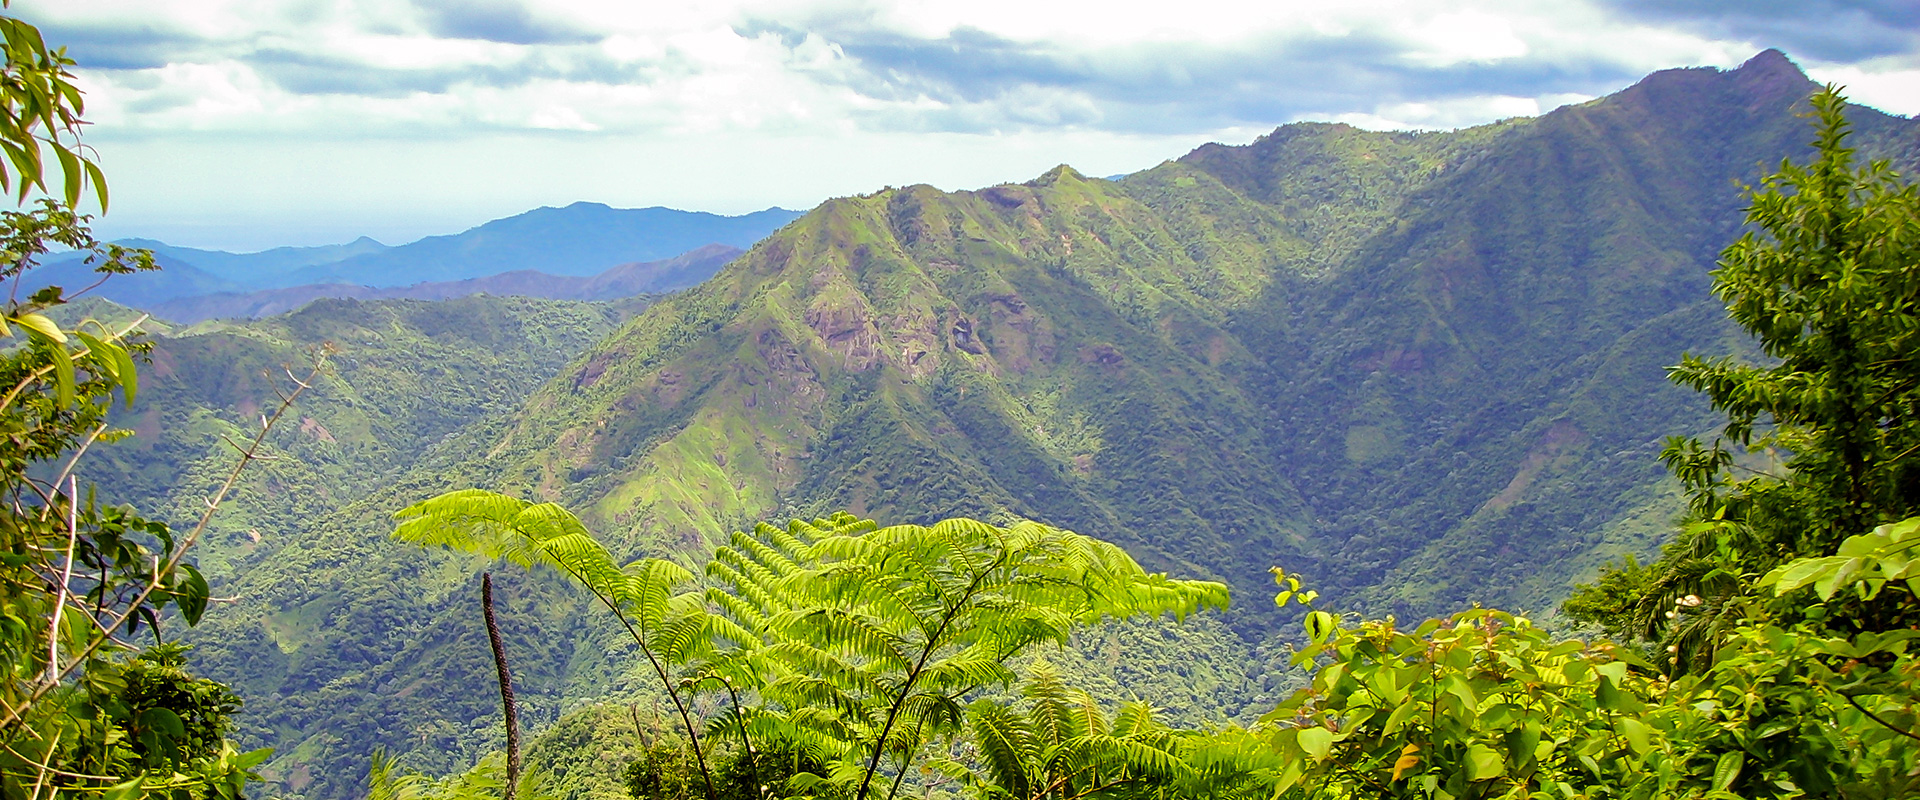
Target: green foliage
[
  {"x": 1826, "y": 283},
  {"x": 388, "y": 780},
  {"x": 1485, "y": 704},
  {"x": 1177, "y": 361},
  {"x": 81, "y": 711},
  {"x": 1060, "y": 744},
  {"x": 43, "y": 115},
  {"x": 838, "y": 641},
  {"x": 78, "y": 573},
  {"x": 862, "y": 642}
]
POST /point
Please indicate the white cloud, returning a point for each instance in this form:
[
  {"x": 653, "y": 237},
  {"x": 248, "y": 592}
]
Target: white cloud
[
  {"x": 1893, "y": 84},
  {"x": 849, "y": 83}
]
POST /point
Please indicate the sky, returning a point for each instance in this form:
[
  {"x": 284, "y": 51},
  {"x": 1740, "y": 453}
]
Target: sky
[{"x": 248, "y": 124}]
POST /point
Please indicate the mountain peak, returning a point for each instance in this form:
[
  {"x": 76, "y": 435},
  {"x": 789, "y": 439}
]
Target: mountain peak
[
  {"x": 1771, "y": 76},
  {"x": 1057, "y": 174},
  {"x": 1773, "y": 62}
]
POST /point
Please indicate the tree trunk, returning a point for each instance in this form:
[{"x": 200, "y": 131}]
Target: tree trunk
[{"x": 506, "y": 686}]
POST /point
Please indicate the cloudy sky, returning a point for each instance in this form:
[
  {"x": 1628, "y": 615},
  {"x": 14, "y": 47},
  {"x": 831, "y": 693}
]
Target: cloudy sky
[{"x": 246, "y": 124}]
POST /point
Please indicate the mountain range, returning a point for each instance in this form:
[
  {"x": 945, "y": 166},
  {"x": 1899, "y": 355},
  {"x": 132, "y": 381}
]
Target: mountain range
[
  {"x": 581, "y": 251},
  {"x": 1424, "y": 369},
  {"x": 625, "y": 280}
]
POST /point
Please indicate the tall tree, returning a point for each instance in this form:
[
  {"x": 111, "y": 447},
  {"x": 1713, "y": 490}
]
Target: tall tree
[
  {"x": 79, "y": 577},
  {"x": 1827, "y": 280}
]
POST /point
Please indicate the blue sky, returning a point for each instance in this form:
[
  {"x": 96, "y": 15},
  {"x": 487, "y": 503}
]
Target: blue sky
[{"x": 246, "y": 125}]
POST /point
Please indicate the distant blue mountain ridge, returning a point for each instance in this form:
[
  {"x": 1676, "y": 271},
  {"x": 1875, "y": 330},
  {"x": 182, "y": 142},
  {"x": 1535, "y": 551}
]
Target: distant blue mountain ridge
[{"x": 579, "y": 240}]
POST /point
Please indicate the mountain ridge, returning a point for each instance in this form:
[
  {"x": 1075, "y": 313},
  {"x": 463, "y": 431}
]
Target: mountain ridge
[
  {"x": 580, "y": 239},
  {"x": 1422, "y": 369},
  {"x": 624, "y": 280},
  {"x": 577, "y": 241}
]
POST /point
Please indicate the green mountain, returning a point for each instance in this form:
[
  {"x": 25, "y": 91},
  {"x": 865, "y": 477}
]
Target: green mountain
[{"x": 1423, "y": 368}]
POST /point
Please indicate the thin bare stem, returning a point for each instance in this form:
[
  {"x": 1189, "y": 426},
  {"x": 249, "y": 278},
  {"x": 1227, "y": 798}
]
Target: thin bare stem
[
  {"x": 67, "y": 471},
  {"x": 1883, "y": 723},
  {"x": 14, "y": 715},
  {"x": 40, "y": 779},
  {"x": 508, "y": 711},
  {"x": 66, "y": 578}
]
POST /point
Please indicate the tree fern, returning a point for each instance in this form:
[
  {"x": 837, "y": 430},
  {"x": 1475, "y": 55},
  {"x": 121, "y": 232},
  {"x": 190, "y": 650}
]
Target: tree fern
[
  {"x": 1058, "y": 744},
  {"x": 669, "y": 627},
  {"x": 868, "y": 638},
  {"x": 847, "y": 643}
]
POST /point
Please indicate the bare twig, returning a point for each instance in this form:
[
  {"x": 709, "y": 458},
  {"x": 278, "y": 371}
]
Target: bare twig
[
  {"x": 67, "y": 471},
  {"x": 508, "y": 710},
  {"x": 14, "y": 715},
  {"x": 1883, "y": 723},
  {"x": 40, "y": 779},
  {"x": 66, "y": 579}
]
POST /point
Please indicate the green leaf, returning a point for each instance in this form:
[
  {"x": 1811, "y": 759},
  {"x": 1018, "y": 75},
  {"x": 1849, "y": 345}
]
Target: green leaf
[
  {"x": 1484, "y": 763},
  {"x": 1728, "y": 770},
  {"x": 129, "y": 790},
  {"x": 62, "y": 375},
  {"x": 40, "y": 324},
  {"x": 1831, "y": 582},
  {"x": 253, "y": 758},
  {"x": 1316, "y": 742},
  {"x": 99, "y": 181},
  {"x": 165, "y": 722},
  {"x": 1399, "y": 718},
  {"x": 1639, "y": 737},
  {"x": 69, "y": 173},
  {"x": 1320, "y": 626},
  {"x": 128, "y": 374}
]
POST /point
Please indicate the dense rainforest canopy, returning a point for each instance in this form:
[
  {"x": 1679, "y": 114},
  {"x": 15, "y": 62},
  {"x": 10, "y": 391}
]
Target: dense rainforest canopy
[
  {"x": 1764, "y": 653},
  {"x": 1779, "y": 668}
]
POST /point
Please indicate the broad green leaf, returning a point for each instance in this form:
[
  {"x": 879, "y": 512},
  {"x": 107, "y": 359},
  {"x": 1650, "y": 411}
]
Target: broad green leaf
[
  {"x": 1320, "y": 626},
  {"x": 1316, "y": 742},
  {"x": 40, "y": 324},
  {"x": 1615, "y": 671},
  {"x": 98, "y": 355},
  {"x": 1728, "y": 770},
  {"x": 99, "y": 181},
  {"x": 165, "y": 721},
  {"x": 1399, "y": 718},
  {"x": 1638, "y": 736},
  {"x": 1484, "y": 763},
  {"x": 129, "y": 790},
  {"x": 69, "y": 172},
  {"x": 1831, "y": 582}
]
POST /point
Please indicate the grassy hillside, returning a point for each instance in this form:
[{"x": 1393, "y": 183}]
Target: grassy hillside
[{"x": 1425, "y": 368}]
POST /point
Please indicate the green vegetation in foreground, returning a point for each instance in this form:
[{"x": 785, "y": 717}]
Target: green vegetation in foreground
[
  {"x": 856, "y": 659},
  {"x": 1152, "y": 360},
  {"x": 87, "y": 707}
]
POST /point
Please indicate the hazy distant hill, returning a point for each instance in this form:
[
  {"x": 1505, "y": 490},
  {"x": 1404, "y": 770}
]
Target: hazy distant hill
[
  {"x": 262, "y": 268},
  {"x": 626, "y": 280},
  {"x": 1423, "y": 368},
  {"x": 176, "y": 278},
  {"x": 581, "y": 239}
]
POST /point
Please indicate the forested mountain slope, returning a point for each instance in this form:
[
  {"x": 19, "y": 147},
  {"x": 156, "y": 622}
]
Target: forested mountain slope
[{"x": 1424, "y": 368}]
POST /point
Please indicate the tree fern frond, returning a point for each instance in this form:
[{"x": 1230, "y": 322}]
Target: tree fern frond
[{"x": 1006, "y": 745}]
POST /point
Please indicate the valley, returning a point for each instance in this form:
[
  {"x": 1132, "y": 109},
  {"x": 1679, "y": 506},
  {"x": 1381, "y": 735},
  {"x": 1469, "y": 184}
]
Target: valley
[{"x": 1426, "y": 370}]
